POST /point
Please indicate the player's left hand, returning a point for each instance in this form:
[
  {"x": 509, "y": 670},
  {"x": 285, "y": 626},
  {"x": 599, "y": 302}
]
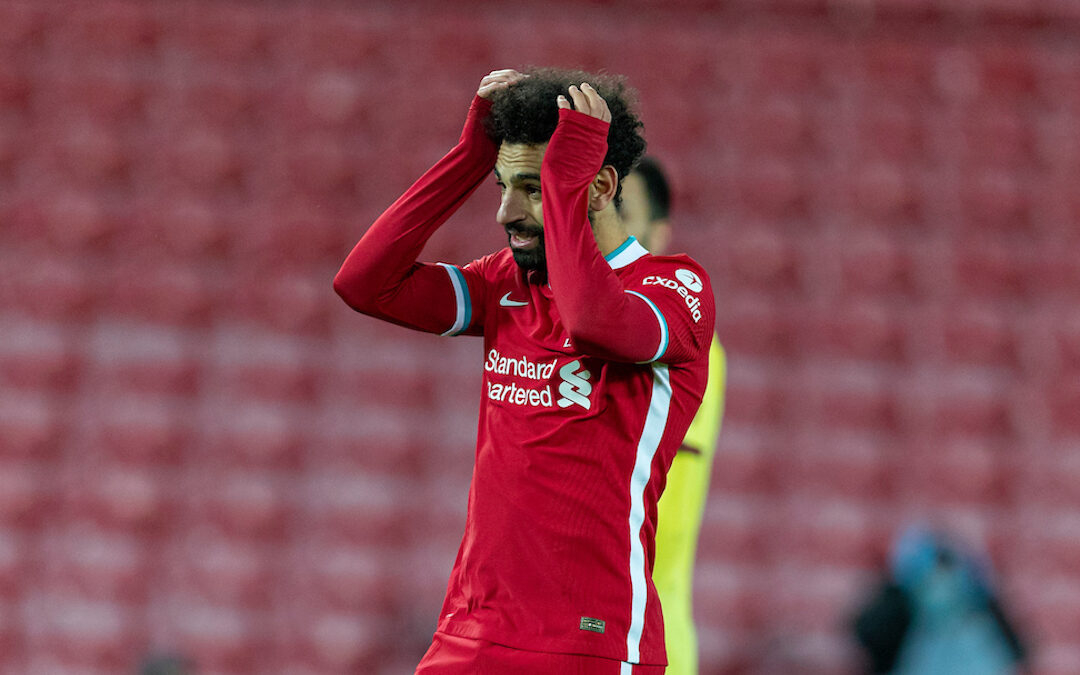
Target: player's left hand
[{"x": 586, "y": 100}]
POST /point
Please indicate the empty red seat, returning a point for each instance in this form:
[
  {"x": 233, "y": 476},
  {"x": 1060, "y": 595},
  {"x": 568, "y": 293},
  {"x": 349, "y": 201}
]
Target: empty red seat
[
  {"x": 48, "y": 287},
  {"x": 864, "y": 330},
  {"x": 92, "y": 154},
  {"x": 991, "y": 270},
  {"x": 25, "y": 497},
  {"x": 30, "y": 427},
  {"x": 218, "y": 569},
  {"x": 121, "y": 500},
  {"x": 172, "y": 295},
  {"x": 88, "y": 634},
  {"x": 997, "y": 201},
  {"x": 754, "y": 326},
  {"x": 874, "y": 263},
  {"x": 982, "y": 335},
  {"x": 884, "y": 191},
  {"x": 204, "y": 159},
  {"x": 363, "y": 507},
  {"x": 248, "y": 505},
  {"x": 220, "y": 637},
  {"x": 892, "y": 131},
  {"x": 773, "y": 188},
  {"x": 255, "y": 436},
  {"x": 37, "y": 356},
  {"x": 99, "y": 564},
  {"x": 114, "y": 27},
  {"x": 735, "y": 528}
]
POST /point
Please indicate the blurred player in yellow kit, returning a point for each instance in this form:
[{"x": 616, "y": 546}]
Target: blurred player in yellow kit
[{"x": 644, "y": 211}]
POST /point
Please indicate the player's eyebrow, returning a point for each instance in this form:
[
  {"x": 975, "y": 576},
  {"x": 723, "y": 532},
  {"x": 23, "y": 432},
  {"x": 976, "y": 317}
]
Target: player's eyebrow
[{"x": 518, "y": 177}]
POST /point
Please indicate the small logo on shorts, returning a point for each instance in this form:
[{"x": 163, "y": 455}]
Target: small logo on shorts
[{"x": 590, "y": 624}]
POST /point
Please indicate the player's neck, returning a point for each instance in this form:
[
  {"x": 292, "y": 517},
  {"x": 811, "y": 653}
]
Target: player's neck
[{"x": 608, "y": 229}]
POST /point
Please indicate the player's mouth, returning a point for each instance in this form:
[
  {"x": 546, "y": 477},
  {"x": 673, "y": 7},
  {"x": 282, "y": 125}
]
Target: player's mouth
[{"x": 524, "y": 238}]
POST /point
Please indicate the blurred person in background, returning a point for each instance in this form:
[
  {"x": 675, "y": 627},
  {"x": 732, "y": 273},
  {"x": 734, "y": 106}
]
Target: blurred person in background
[
  {"x": 645, "y": 209},
  {"x": 167, "y": 664},
  {"x": 936, "y": 613},
  {"x": 595, "y": 362}
]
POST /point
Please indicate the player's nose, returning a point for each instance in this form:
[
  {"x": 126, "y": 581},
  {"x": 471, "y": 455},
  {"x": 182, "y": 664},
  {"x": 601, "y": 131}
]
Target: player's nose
[{"x": 511, "y": 209}]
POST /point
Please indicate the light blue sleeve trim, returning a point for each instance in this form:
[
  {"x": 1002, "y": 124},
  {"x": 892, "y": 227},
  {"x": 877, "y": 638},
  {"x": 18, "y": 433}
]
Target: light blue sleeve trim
[
  {"x": 464, "y": 302},
  {"x": 663, "y": 327}
]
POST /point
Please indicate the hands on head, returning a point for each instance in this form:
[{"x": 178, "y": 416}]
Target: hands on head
[
  {"x": 587, "y": 101},
  {"x": 585, "y": 98},
  {"x": 498, "y": 79}
]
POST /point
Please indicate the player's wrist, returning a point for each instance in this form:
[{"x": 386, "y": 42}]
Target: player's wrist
[
  {"x": 576, "y": 151},
  {"x": 475, "y": 135}
]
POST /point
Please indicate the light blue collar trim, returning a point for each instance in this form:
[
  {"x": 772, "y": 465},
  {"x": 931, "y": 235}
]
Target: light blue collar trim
[{"x": 628, "y": 252}]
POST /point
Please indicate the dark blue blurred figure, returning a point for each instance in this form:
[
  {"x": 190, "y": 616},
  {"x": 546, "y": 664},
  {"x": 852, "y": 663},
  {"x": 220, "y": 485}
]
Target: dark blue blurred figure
[
  {"x": 936, "y": 613},
  {"x": 167, "y": 664}
]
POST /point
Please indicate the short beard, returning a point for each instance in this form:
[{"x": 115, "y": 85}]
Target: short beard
[{"x": 532, "y": 260}]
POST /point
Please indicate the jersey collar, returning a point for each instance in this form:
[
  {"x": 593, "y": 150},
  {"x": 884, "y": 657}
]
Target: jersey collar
[{"x": 629, "y": 251}]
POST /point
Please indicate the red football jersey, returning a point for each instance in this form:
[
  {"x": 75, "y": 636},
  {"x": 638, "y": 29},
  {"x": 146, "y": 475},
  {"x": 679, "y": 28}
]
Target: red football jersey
[{"x": 590, "y": 382}]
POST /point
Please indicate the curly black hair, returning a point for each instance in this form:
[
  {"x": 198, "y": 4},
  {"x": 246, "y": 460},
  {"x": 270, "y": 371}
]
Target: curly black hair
[{"x": 526, "y": 112}]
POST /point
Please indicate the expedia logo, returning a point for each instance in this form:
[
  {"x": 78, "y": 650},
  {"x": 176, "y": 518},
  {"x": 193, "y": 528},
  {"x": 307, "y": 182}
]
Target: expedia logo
[
  {"x": 690, "y": 280},
  {"x": 691, "y": 283},
  {"x": 575, "y": 387}
]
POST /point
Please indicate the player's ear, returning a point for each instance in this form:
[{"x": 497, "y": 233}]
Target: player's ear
[{"x": 602, "y": 190}]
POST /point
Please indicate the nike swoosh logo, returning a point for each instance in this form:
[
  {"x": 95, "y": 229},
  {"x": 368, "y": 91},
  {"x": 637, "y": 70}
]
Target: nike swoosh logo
[{"x": 505, "y": 301}]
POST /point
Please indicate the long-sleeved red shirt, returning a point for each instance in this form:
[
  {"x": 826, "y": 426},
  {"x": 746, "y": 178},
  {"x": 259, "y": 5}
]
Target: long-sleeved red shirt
[{"x": 590, "y": 382}]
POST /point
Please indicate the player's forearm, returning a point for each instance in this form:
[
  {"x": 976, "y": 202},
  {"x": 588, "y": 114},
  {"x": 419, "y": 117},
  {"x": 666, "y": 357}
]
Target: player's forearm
[
  {"x": 600, "y": 316},
  {"x": 385, "y": 256}
]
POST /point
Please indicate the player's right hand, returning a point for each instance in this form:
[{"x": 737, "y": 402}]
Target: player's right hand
[{"x": 496, "y": 80}]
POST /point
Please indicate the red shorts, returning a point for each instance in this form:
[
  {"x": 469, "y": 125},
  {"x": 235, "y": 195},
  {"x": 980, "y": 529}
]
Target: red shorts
[{"x": 453, "y": 655}]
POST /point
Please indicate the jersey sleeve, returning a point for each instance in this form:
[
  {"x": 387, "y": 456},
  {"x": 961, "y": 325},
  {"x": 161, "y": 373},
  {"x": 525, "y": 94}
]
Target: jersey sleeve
[
  {"x": 603, "y": 317},
  {"x": 382, "y": 278},
  {"x": 679, "y": 293}
]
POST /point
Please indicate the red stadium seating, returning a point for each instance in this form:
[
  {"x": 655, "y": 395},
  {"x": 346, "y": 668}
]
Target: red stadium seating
[{"x": 203, "y": 450}]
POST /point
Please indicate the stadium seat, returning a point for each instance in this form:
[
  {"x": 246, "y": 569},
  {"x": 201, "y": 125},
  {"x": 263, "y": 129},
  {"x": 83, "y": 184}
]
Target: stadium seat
[
  {"x": 892, "y": 132},
  {"x": 777, "y": 126},
  {"x": 25, "y": 497},
  {"x": 137, "y": 429},
  {"x": 996, "y": 201},
  {"x": 753, "y": 325},
  {"x": 31, "y": 427},
  {"x": 991, "y": 270},
  {"x": 249, "y": 506},
  {"x": 875, "y": 263},
  {"x": 340, "y": 642},
  {"x": 730, "y": 597},
  {"x": 735, "y": 529},
  {"x": 78, "y": 220},
  {"x": 220, "y": 637},
  {"x": 99, "y": 565},
  {"x": 204, "y": 159},
  {"x": 361, "y": 507},
  {"x": 84, "y": 633},
  {"x": 753, "y": 399},
  {"x": 861, "y": 330},
  {"x": 121, "y": 500},
  {"x": 112, "y": 28},
  {"x": 253, "y": 436},
  {"x": 217, "y": 569},
  {"x": 773, "y": 188},
  {"x": 37, "y": 356},
  {"x": 167, "y": 294},
  {"x": 981, "y": 335},
  {"x": 884, "y": 192}
]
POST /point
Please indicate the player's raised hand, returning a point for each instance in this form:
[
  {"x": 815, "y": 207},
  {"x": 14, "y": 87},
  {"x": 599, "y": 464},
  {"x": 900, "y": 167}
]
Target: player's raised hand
[
  {"x": 498, "y": 79},
  {"x": 586, "y": 100}
]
